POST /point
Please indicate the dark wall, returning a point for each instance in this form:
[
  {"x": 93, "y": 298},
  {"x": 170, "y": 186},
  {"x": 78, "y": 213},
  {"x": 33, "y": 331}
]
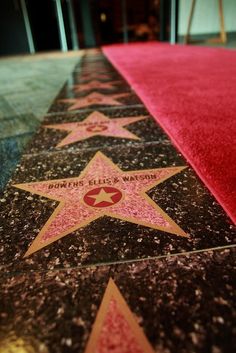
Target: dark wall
[
  {"x": 13, "y": 38},
  {"x": 43, "y": 21}
]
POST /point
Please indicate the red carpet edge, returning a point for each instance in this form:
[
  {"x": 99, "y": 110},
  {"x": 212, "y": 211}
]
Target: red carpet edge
[{"x": 190, "y": 93}]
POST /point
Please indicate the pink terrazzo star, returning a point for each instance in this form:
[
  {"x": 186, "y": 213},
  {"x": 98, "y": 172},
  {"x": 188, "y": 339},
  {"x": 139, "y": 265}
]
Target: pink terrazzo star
[
  {"x": 96, "y": 124},
  {"x": 102, "y": 189},
  {"x": 116, "y": 329},
  {"x": 94, "y": 85},
  {"x": 116, "y": 333},
  {"x": 94, "y": 99}
]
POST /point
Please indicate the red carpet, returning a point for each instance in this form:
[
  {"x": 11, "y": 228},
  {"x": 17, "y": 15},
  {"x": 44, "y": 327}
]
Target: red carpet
[{"x": 191, "y": 92}]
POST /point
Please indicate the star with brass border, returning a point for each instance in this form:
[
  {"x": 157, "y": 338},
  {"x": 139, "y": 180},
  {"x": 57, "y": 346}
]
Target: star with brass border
[
  {"x": 130, "y": 201},
  {"x": 96, "y": 124}
]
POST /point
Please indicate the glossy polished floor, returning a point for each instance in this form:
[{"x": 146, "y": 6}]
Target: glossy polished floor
[
  {"x": 109, "y": 241},
  {"x": 29, "y": 83}
]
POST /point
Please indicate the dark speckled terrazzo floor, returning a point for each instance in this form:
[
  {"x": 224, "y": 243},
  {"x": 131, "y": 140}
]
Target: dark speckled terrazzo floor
[{"x": 179, "y": 290}]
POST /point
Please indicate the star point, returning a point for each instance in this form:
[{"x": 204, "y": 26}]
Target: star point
[{"x": 116, "y": 326}]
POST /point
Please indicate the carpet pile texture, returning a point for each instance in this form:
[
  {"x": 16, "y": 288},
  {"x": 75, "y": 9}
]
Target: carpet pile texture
[{"x": 191, "y": 92}]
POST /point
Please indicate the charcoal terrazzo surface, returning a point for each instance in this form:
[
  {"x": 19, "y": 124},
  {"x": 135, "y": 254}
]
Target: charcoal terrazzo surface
[
  {"x": 95, "y": 77},
  {"x": 102, "y": 74},
  {"x": 178, "y": 291},
  {"x": 129, "y": 99},
  {"x": 107, "y": 239},
  {"x": 145, "y": 130},
  {"x": 182, "y": 303}
]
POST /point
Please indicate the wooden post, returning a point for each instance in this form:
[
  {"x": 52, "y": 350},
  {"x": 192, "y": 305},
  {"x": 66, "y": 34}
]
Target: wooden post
[
  {"x": 221, "y": 39},
  {"x": 173, "y": 22},
  {"x": 187, "y": 36},
  {"x": 223, "y": 35}
]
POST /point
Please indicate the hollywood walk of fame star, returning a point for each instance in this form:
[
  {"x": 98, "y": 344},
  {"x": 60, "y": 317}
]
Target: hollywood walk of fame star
[
  {"x": 96, "y": 124},
  {"x": 94, "y": 99},
  {"x": 115, "y": 326},
  {"x": 101, "y": 176},
  {"x": 93, "y": 85}
]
